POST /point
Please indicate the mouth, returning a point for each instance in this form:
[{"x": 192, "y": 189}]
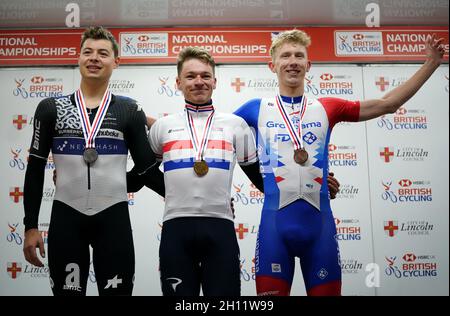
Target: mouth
[
  {"x": 93, "y": 68},
  {"x": 293, "y": 72}
]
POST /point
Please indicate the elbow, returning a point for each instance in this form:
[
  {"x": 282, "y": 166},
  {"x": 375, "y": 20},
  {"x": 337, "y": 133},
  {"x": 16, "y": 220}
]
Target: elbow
[{"x": 392, "y": 106}]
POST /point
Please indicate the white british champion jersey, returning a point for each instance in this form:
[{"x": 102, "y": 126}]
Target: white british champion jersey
[{"x": 187, "y": 194}]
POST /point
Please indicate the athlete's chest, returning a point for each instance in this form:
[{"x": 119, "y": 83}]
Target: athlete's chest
[
  {"x": 69, "y": 122},
  {"x": 312, "y": 125}
]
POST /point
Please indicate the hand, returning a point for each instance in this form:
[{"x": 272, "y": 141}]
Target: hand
[
  {"x": 54, "y": 177},
  {"x": 232, "y": 207},
  {"x": 333, "y": 185},
  {"x": 33, "y": 240},
  {"x": 435, "y": 49},
  {"x": 150, "y": 121}
]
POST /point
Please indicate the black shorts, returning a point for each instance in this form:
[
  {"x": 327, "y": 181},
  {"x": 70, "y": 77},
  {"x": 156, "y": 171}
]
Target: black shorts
[
  {"x": 199, "y": 252},
  {"x": 110, "y": 236}
]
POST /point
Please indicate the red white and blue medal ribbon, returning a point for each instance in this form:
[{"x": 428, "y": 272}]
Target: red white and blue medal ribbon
[
  {"x": 199, "y": 146},
  {"x": 91, "y": 131},
  {"x": 297, "y": 138}
]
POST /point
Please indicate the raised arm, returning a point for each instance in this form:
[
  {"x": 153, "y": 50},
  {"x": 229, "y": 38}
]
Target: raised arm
[{"x": 394, "y": 99}]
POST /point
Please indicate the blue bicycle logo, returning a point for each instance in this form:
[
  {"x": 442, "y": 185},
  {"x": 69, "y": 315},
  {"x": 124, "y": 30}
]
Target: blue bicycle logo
[
  {"x": 392, "y": 269},
  {"x": 166, "y": 89},
  {"x": 16, "y": 161},
  {"x": 128, "y": 48},
  {"x": 384, "y": 122},
  {"x": 19, "y": 90},
  {"x": 344, "y": 46},
  {"x": 13, "y": 236},
  {"x": 240, "y": 197},
  {"x": 310, "y": 87},
  {"x": 244, "y": 274},
  {"x": 388, "y": 194}
]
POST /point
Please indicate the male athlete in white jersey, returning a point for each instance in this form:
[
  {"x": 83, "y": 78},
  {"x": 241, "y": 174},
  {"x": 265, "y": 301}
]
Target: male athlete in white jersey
[{"x": 296, "y": 220}]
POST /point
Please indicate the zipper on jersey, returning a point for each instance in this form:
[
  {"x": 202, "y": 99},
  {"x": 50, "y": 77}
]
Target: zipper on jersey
[{"x": 89, "y": 175}]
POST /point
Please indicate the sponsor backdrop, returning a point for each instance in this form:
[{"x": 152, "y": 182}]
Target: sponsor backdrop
[{"x": 391, "y": 214}]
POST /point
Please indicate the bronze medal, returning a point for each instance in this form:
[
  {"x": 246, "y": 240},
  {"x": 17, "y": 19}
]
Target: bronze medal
[
  {"x": 90, "y": 155},
  {"x": 301, "y": 156},
  {"x": 201, "y": 168}
]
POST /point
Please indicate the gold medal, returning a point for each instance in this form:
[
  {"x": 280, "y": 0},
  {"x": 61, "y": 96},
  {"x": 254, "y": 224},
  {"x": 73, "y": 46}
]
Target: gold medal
[
  {"x": 301, "y": 156},
  {"x": 201, "y": 168}
]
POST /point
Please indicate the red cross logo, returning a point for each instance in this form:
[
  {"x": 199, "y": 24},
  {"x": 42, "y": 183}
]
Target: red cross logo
[
  {"x": 405, "y": 183},
  {"x": 15, "y": 194},
  {"x": 386, "y": 154},
  {"x": 237, "y": 84},
  {"x": 14, "y": 269},
  {"x": 391, "y": 228},
  {"x": 241, "y": 230},
  {"x": 19, "y": 121},
  {"x": 37, "y": 79},
  {"x": 326, "y": 77},
  {"x": 358, "y": 37},
  {"x": 383, "y": 84},
  {"x": 409, "y": 257}
]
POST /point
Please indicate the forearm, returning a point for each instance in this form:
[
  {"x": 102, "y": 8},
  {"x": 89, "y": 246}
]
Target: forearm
[
  {"x": 400, "y": 95},
  {"x": 153, "y": 179},
  {"x": 33, "y": 189},
  {"x": 253, "y": 173}
]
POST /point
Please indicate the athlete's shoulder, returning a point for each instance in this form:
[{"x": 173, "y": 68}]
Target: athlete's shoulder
[
  {"x": 248, "y": 106},
  {"x": 169, "y": 119}
]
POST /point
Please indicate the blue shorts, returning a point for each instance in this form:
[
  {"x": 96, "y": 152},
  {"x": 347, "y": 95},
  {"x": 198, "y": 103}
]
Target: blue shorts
[{"x": 298, "y": 230}]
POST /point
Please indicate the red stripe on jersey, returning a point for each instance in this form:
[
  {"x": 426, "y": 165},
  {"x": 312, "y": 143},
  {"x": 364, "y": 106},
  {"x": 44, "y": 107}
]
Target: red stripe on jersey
[{"x": 187, "y": 144}]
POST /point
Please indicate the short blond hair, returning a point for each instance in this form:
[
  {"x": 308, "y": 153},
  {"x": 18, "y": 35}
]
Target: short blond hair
[
  {"x": 293, "y": 36},
  {"x": 199, "y": 53}
]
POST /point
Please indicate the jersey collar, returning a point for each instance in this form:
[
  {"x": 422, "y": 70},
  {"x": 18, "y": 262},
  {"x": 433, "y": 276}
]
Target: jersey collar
[{"x": 207, "y": 107}]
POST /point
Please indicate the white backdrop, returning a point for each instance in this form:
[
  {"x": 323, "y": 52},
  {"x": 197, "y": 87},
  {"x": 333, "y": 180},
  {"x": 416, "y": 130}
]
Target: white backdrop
[{"x": 393, "y": 205}]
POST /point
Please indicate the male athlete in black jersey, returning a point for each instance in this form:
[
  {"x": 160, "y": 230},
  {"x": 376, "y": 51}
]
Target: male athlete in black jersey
[{"x": 89, "y": 133}]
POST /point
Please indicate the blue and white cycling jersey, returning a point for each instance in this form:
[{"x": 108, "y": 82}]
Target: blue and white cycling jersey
[{"x": 285, "y": 181}]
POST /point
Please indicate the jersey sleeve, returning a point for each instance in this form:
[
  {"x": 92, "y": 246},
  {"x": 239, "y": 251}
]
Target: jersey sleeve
[
  {"x": 340, "y": 110},
  {"x": 154, "y": 139},
  {"x": 250, "y": 112},
  {"x": 244, "y": 144},
  {"x": 43, "y": 129},
  {"x": 137, "y": 141}
]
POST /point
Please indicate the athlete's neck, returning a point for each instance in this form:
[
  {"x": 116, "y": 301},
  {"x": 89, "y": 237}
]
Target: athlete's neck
[
  {"x": 93, "y": 92},
  {"x": 199, "y": 105},
  {"x": 292, "y": 92}
]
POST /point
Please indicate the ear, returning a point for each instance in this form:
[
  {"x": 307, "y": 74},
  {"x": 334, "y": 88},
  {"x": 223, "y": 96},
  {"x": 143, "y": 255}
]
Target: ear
[
  {"x": 178, "y": 82},
  {"x": 272, "y": 67},
  {"x": 308, "y": 66},
  {"x": 214, "y": 85},
  {"x": 117, "y": 62}
]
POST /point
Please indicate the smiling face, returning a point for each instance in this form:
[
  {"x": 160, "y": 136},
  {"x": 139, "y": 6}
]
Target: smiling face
[
  {"x": 197, "y": 81},
  {"x": 97, "y": 60},
  {"x": 290, "y": 63}
]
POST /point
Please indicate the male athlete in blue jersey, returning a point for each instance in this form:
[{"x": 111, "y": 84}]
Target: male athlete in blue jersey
[{"x": 296, "y": 220}]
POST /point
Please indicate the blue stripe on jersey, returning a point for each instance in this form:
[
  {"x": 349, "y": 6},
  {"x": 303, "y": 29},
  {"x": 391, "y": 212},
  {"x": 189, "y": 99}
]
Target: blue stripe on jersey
[
  {"x": 189, "y": 163},
  {"x": 324, "y": 200},
  {"x": 75, "y": 146}
]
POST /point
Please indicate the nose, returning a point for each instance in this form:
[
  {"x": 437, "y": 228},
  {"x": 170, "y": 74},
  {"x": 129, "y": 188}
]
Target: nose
[
  {"x": 198, "y": 80},
  {"x": 93, "y": 56}
]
